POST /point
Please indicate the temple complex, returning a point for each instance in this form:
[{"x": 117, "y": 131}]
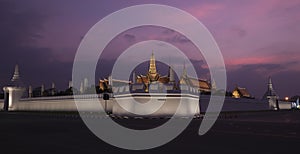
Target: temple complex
[{"x": 155, "y": 82}]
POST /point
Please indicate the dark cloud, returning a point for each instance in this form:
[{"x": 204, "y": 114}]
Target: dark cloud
[
  {"x": 20, "y": 29},
  {"x": 173, "y": 36},
  {"x": 265, "y": 68},
  {"x": 178, "y": 38},
  {"x": 238, "y": 31},
  {"x": 284, "y": 48},
  {"x": 201, "y": 69},
  {"x": 285, "y": 11},
  {"x": 255, "y": 77},
  {"x": 129, "y": 37}
]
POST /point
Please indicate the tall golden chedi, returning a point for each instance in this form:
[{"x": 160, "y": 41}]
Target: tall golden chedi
[
  {"x": 153, "y": 77},
  {"x": 152, "y": 74}
]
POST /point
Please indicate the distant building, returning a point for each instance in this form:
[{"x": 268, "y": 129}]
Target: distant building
[
  {"x": 272, "y": 97},
  {"x": 202, "y": 85},
  {"x": 106, "y": 85},
  {"x": 270, "y": 91},
  {"x": 239, "y": 92},
  {"x": 41, "y": 91}
]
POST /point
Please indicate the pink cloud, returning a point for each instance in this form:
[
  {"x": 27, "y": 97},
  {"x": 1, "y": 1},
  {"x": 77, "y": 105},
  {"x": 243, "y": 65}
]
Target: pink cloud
[
  {"x": 290, "y": 62},
  {"x": 249, "y": 60},
  {"x": 205, "y": 10}
]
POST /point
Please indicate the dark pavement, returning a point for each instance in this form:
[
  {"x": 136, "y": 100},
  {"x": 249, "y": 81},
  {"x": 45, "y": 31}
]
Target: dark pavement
[{"x": 245, "y": 132}]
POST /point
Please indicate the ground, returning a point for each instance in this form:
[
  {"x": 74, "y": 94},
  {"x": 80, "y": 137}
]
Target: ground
[{"x": 240, "y": 132}]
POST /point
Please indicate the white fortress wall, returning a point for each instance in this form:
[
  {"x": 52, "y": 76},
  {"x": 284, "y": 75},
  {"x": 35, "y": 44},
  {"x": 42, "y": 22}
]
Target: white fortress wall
[
  {"x": 66, "y": 103},
  {"x": 59, "y": 103},
  {"x": 284, "y": 105},
  {"x": 169, "y": 107},
  {"x": 1, "y": 103}
]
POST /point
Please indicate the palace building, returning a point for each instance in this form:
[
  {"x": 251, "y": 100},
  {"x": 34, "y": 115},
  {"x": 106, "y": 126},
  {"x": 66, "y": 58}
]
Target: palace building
[{"x": 155, "y": 82}]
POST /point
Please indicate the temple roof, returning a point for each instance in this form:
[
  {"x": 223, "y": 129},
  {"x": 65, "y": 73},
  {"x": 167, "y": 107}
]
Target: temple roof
[
  {"x": 243, "y": 92},
  {"x": 202, "y": 84}
]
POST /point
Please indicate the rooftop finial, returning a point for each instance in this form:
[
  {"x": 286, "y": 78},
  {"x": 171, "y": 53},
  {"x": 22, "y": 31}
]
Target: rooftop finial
[
  {"x": 16, "y": 75},
  {"x": 270, "y": 85},
  {"x": 152, "y": 67}
]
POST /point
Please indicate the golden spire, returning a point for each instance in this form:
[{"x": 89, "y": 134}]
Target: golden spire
[
  {"x": 152, "y": 67},
  {"x": 152, "y": 74}
]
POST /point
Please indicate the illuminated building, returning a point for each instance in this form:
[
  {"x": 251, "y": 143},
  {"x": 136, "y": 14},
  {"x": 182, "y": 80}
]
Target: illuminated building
[
  {"x": 186, "y": 81},
  {"x": 239, "y": 92},
  {"x": 154, "y": 79},
  {"x": 155, "y": 82}
]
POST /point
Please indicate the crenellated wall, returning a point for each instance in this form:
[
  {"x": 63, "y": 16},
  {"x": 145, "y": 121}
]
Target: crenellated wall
[{"x": 67, "y": 103}]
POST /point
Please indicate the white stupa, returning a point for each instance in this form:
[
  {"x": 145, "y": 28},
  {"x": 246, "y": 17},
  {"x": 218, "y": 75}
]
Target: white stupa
[
  {"x": 271, "y": 96},
  {"x": 270, "y": 91},
  {"x": 14, "y": 91}
]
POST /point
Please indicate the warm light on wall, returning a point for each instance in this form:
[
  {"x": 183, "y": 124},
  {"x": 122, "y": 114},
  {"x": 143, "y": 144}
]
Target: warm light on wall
[{"x": 286, "y": 98}]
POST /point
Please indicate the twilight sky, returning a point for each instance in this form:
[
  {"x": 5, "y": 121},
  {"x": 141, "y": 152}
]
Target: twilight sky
[{"x": 258, "y": 38}]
